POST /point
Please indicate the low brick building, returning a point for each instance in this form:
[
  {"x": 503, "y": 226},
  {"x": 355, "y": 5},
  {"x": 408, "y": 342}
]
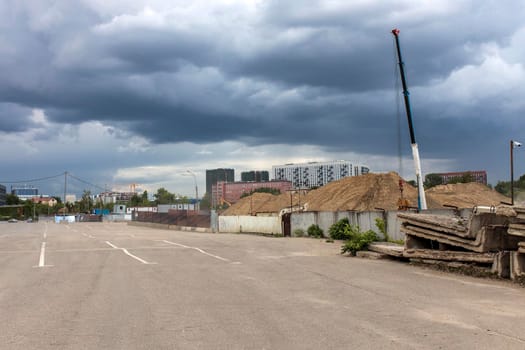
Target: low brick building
[{"x": 479, "y": 176}]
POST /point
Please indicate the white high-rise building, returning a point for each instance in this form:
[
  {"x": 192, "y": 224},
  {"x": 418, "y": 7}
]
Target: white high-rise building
[{"x": 316, "y": 174}]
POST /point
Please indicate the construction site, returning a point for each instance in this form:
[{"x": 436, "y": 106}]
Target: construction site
[
  {"x": 458, "y": 226},
  {"x": 465, "y": 226}
]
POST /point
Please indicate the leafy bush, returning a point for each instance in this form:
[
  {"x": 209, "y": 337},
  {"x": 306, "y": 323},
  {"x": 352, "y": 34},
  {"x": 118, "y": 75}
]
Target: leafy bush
[
  {"x": 315, "y": 231},
  {"x": 358, "y": 241},
  {"x": 298, "y": 232},
  {"x": 337, "y": 230},
  {"x": 381, "y": 226}
]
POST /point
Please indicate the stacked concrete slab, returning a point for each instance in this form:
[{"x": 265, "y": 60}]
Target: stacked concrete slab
[{"x": 491, "y": 236}]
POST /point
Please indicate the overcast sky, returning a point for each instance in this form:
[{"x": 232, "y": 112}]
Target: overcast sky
[{"x": 120, "y": 92}]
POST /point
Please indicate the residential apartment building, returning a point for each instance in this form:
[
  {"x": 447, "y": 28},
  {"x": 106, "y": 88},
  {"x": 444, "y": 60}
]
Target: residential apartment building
[
  {"x": 114, "y": 197},
  {"x": 3, "y": 195},
  {"x": 255, "y": 175},
  {"x": 215, "y": 175},
  {"x": 231, "y": 192},
  {"x": 316, "y": 174}
]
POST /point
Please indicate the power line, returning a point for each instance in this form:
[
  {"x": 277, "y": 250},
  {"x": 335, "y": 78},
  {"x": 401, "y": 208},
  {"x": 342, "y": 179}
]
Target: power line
[
  {"x": 85, "y": 182},
  {"x": 49, "y": 178},
  {"x": 33, "y": 180}
]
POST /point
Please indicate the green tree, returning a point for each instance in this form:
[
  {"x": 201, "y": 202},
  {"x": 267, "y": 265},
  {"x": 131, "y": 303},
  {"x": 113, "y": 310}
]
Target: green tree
[
  {"x": 465, "y": 178},
  {"x": 163, "y": 196},
  {"x": 205, "y": 203},
  {"x": 144, "y": 200},
  {"x": 135, "y": 200},
  {"x": 12, "y": 199},
  {"x": 86, "y": 202},
  {"x": 503, "y": 187},
  {"x": 432, "y": 180},
  {"x": 274, "y": 191}
]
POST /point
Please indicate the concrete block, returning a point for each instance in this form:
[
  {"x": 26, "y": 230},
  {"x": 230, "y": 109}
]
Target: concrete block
[
  {"x": 387, "y": 248},
  {"x": 370, "y": 255},
  {"x": 517, "y": 265},
  {"x": 501, "y": 264}
]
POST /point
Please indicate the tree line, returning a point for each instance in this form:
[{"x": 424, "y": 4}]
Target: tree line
[
  {"x": 502, "y": 187},
  {"x": 86, "y": 204}
]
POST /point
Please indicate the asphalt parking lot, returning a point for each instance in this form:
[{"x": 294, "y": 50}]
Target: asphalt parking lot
[{"x": 114, "y": 286}]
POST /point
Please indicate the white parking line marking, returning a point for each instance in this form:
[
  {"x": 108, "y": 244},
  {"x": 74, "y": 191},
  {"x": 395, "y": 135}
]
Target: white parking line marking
[
  {"x": 129, "y": 254},
  {"x": 112, "y": 245},
  {"x": 197, "y": 249},
  {"x": 42, "y": 260}
]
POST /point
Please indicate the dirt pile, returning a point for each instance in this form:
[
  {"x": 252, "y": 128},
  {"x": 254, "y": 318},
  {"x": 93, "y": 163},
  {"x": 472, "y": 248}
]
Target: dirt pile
[
  {"x": 368, "y": 192},
  {"x": 465, "y": 195},
  {"x": 262, "y": 203},
  {"x": 362, "y": 193}
]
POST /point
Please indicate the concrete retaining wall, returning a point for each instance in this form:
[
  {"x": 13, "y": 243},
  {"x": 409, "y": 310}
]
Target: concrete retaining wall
[
  {"x": 250, "y": 224},
  {"x": 117, "y": 217},
  {"x": 272, "y": 224},
  {"x": 365, "y": 220}
]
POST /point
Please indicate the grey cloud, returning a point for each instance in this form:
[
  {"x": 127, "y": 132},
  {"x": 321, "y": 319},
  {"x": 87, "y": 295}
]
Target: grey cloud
[
  {"x": 170, "y": 85},
  {"x": 15, "y": 118}
]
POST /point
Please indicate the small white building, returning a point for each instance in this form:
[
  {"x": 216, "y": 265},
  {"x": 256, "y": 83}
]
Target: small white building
[
  {"x": 129, "y": 210},
  {"x": 119, "y": 209},
  {"x": 164, "y": 208}
]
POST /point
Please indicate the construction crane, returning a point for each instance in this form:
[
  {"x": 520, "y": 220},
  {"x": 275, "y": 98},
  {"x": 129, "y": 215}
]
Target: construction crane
[
  {"x": 224, "y": 201},
  {"x": 421, "y": 200},
  {"x": 133, "y": 187}
]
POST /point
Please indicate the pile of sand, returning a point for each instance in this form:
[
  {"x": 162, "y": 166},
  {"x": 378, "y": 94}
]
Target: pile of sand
[
  {"x": 466, "y": 195},
  {"x": 363, "y": 193},
  {"x": 263, "y": 203},
  {"x": 368, "y": 192}
]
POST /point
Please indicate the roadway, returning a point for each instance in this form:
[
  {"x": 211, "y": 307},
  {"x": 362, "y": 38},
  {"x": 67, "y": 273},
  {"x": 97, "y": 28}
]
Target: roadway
[{"x": 113, "y": 286}]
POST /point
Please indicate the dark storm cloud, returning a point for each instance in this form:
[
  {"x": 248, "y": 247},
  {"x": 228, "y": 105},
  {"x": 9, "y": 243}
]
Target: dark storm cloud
[
  {"x": 14, "y": 118},
  {"x": 295, "y": 73}
]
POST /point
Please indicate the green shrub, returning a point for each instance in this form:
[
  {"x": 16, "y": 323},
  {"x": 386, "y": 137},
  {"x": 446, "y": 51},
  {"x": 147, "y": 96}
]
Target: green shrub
[
  {"x": 381, "y": 226},
  {"x": 315, "y": 231},
  {"x": 298, "y": 232},
  {"x": 351, "y": 231},
  {"x": 337, "y": 230},
  {"x": 358, "y": 241}
]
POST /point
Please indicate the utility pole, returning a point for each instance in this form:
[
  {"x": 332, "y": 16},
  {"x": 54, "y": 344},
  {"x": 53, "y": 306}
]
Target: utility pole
[
  {"x": 511, "y": 172},
  {"x": 65, "y": 191},
  {"x": 197, "y": 208}
]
